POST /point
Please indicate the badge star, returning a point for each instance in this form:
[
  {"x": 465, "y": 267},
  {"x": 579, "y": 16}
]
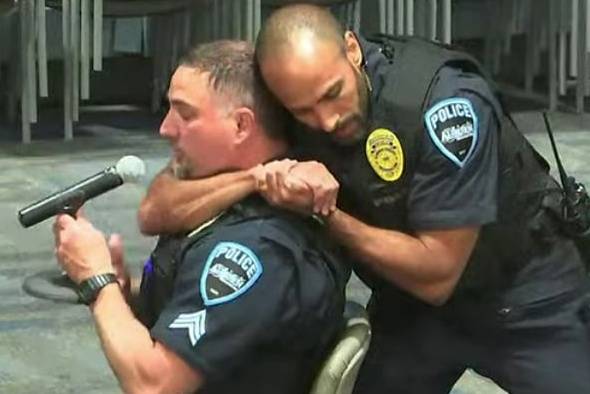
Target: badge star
[{"x": 193, "y": 322}]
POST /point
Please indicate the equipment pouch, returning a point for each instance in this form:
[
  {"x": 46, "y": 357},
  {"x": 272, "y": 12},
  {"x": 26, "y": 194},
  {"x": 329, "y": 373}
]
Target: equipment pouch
[{"x": 576, "y": 217}]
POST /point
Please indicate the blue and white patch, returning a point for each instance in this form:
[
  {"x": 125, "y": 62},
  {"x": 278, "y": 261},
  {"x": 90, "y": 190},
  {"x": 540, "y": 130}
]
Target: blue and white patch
[
  {"x": 231, "y": 270},
  {"x": 453, "y": 128},
  {"x": 194, "y": 323}
]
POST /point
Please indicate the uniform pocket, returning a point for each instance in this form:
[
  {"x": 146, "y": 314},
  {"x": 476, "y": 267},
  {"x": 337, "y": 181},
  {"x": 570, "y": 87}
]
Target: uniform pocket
[{"x": 545, "y": 314}]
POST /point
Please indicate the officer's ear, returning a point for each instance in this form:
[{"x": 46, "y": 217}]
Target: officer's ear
[
  {"x": 353, "y": 49},
  {"x": 246, "y": 125}
]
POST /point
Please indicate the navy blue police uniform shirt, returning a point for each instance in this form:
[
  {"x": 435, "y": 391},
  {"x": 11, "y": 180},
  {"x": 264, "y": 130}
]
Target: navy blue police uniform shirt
[
  {"x": 456, "y": 178},
  {"x": 446, "y": 195},
  {"x": 253, "y": 308},
  {"x": 455, "y": 183}
]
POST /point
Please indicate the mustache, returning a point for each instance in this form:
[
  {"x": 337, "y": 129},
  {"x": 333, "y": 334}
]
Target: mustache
[{"x": 342, "y": 122}]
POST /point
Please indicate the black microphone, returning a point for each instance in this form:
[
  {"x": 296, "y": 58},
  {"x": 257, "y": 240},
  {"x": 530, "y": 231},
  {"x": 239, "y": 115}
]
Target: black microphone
[{"x": 69, "y": 200}]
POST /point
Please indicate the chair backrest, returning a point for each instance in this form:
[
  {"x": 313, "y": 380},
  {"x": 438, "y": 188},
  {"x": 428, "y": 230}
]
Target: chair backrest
[{"x": 339, "y": 371}]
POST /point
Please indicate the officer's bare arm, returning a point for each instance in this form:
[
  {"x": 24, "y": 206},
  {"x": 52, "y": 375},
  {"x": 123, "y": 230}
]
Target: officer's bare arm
[
  {"x": 427, "y": 264},
  {"x": 140, "y": 364},
  {"x": 172, "y": 205}
]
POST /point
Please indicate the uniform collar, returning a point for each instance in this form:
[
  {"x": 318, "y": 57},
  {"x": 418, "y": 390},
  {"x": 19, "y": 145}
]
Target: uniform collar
[
  {"x": 363, "y": 47},
  {"x": 205, "y": 225},
  {"x": 373, "y": 66},
  {"x": 251, "y": 206},
  {"x": 373, "y": 60}
]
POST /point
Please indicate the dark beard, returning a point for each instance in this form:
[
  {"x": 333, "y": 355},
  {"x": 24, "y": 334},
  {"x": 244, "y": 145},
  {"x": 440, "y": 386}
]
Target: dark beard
[
  {"x": 360, "y": 117},
  {"x": 363, "y": 92}
]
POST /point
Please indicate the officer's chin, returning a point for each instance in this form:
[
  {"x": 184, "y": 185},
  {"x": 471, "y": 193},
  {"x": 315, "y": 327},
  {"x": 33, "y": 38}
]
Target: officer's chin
[
  {"x": 348, "y": 134},
  {"x": 182, "y": 169}
]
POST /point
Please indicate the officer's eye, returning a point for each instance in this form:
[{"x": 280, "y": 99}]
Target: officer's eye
[
  {"x": 334, "y": 91},
  {"x": 183, "y": 109},
  {"x": 186, "y": 114}
]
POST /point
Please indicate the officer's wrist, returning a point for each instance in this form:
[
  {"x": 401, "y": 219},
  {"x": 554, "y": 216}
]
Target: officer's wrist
[
  {"x": 103, "y": 299},
  {"x": 89, "y": 289},
  {"x": 254, "y": 177},
  {"x": 332, "y": 214}
]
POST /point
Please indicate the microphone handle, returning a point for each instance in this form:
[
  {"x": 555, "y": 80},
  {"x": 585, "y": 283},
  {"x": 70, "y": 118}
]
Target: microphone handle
[{"x": 71, "y": 199}]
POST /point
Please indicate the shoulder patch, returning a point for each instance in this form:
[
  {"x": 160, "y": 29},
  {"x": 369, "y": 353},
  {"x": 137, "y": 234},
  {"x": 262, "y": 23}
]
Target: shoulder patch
[
  {"x": 231, "y": 269},
  {"x": 453, "y": 128}
]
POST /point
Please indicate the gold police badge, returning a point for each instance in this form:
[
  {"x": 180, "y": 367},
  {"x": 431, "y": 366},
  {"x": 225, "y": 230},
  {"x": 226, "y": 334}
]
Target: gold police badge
[{"x": 385, "y": 154}]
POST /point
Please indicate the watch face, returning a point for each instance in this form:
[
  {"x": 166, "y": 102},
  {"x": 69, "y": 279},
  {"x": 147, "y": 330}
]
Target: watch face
[
  {"x": 85, "y": 292},
  {"x": 88, "y": 290}
]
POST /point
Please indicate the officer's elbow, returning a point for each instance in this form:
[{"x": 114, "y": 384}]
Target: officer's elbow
[
  {"x": 439, "y": 287},
  {"x": 437, "y": 299},
  {"x": 437, "y": 294},
  {"x": 150, "y": 386},
  {"x": 145, "y": 378}
]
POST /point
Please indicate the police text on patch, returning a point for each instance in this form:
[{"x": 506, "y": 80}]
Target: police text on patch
[
  {"x": 231, "y": 269},
  {"x": 449, "y": 112}
]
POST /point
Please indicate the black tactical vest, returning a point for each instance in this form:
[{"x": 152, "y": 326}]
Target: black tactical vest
[
  {"x": 292, "y": 358},
  {"x": 160, "y": 270},
  {"x": 159, "y": 273},
  {"x": 157, "y": 283},
  {"x": 524, "y": 184}
]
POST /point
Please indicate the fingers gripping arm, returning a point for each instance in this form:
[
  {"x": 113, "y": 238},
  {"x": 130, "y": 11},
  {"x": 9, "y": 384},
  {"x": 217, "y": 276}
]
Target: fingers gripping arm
[{"x": 304, "y": 187}]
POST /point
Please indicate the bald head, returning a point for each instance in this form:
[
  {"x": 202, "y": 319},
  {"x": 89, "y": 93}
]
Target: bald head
[
  {"x": 314, "y": 68},
  {"x": 298, "y": 29}
]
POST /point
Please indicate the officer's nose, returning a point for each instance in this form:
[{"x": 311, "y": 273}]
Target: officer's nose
[
  {"x": 167, "y": 127},
  {"x": 327, "y": 120}
]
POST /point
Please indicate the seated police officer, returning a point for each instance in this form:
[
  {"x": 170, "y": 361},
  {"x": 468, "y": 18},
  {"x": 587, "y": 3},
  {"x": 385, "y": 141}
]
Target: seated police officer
[
  {"x": 247, "y": 303},
  {"x": 451, "y": 212}
]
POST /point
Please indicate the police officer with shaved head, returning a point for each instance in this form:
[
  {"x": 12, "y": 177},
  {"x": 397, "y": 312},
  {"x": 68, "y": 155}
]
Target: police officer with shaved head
[
  {"x": 449, "y": 208},
  {"x": 419, "y": 172},
  {"x": 251, "y": 301}
]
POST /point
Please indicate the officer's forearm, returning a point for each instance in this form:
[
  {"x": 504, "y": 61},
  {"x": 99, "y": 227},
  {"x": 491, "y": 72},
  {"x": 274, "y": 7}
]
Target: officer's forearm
[
  {"x": 172, "y": 205},
  {"x": 427, "y": 265},
  {"x": 122, "y": 337},
  {"x": 140, "y": 364}
]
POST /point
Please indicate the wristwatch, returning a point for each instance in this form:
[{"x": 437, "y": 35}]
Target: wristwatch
[{"x": 88, "y": 289}]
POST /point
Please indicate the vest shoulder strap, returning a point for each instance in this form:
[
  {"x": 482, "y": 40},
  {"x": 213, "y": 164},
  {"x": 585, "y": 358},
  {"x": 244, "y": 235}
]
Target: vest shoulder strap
[
  {"x": 416, "y": 61},
  {"x": 252, "y": 208}
]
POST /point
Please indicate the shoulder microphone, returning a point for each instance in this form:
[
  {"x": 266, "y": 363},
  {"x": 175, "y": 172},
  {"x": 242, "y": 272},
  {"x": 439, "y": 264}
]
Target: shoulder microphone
[{"x": 69, "y": 200}]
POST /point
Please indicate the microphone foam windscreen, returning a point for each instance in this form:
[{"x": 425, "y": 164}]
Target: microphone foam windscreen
[{"x": 130, "y": 168}]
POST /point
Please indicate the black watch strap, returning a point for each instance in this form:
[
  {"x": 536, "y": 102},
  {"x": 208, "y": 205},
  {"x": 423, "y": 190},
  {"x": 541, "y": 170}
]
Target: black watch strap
[{"x": 88, "y": 289}]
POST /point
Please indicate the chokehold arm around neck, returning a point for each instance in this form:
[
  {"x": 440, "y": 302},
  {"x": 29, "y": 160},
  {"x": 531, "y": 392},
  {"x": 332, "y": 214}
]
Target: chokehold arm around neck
[{"x": 173, "y": 205}]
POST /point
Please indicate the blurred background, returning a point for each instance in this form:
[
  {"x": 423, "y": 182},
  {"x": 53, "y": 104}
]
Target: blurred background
[
  {"x": 83, "y": 82},
  {"x": 70, "y": 55}
]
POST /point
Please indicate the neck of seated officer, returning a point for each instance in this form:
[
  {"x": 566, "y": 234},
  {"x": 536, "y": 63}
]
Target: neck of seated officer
[
  {"x": 254, "y": 148},
  {"x": 259, "y": 147}
]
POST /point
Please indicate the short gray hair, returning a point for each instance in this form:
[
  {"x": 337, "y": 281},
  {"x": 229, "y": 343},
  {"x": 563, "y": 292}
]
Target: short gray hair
[{"x": 233, "y": 74}]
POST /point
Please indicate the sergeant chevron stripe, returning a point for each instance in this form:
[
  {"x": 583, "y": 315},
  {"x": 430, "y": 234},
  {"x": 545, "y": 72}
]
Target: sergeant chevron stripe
[{"x": 193, "y": 322}]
